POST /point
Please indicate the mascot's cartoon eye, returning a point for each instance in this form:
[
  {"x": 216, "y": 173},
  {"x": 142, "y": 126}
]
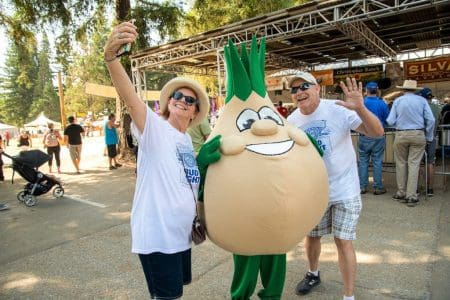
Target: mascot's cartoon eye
[
  {"x": 246, "y": 119},
  {"x": 269, "y": 114}
]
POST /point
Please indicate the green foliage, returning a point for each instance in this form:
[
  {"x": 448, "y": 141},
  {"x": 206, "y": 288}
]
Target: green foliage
[
  {"x": 209, "y": 14},
  {"x": 164, "y": 17},
  {"x": 17, "y": 86},
  {"x": 32, "y": 16},
  {"x": 45, "y": 98},
  {"x": 88, "y": 66},
  {"x": 82, "y": 29}
]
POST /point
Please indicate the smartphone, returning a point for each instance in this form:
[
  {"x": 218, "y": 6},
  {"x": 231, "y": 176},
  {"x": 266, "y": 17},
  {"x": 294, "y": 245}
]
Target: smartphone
[{"x": 126, "y": 48}]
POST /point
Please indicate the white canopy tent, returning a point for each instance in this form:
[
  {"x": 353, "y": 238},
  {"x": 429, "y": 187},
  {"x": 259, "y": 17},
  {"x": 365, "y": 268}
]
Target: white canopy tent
[
  {"x": 40, "y": 124},
  {"x": 13, "y": 131}
]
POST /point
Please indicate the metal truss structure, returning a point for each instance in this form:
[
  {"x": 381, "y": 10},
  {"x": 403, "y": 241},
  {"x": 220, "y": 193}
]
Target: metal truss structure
[
  {"x": 360, "y": 33},
  {"x": 201, "y": 54}
]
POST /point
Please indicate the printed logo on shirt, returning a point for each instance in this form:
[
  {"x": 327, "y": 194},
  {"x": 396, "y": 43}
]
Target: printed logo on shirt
[
  {"x": 187, "y": 159},
  {"x": 318, "y": 129}
]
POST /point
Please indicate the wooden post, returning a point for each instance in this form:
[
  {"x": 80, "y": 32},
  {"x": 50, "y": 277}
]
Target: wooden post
[{"x": 61, "y": 101}]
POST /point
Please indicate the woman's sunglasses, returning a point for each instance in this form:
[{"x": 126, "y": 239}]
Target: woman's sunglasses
[
  {"x": 187, "y": 99},
  {"x": 303, "y": 87}
]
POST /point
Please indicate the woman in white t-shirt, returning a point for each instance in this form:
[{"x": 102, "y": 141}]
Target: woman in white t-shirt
[{"x": 167, "y": 177}]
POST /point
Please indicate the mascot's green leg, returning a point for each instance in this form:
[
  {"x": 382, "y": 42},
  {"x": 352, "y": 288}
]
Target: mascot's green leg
[
  {"x": 246, "y": 268},
  {"x": 245, "y": 276},
  {"x": 273, "y": 273}
]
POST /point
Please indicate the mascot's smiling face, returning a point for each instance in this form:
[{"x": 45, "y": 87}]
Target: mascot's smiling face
[
  {"x": 270, "y": 186},
  {"x": 254, "y": 128}
]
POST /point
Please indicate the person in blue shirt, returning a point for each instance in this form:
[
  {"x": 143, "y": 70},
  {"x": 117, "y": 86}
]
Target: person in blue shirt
[
  {"x": 111, "y": 140},
  {"x": 414, "y": 123},
  {"x": 372, "y": 148}
]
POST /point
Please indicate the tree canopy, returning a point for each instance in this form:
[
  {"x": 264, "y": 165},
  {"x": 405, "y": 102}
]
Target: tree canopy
[
  {"x": 79, "y": 29},
  {"x": 209, "y": 14}
]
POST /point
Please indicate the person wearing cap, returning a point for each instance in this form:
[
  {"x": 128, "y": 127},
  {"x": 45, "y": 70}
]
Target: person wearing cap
[
  {"x": 372, "y": 148},
  {"x": 414, "y": 123},
  {"x": 330, "y": 122},
  {"x": 430, "y": 147},
  {"x": 164, "y": 204}
]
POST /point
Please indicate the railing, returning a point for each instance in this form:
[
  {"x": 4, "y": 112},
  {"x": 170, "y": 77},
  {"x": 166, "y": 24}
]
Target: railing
[
  {"x": 442, "y": 146},
  {"x": 444, "y": 143}
]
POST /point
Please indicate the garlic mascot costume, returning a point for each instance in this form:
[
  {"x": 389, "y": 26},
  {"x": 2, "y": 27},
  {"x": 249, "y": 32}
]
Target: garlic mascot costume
[{"x": 268, "y": 189}]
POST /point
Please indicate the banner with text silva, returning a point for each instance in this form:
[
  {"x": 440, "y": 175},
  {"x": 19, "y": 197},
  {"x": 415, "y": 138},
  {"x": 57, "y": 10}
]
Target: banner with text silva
[{"x": 430, "y": 70}]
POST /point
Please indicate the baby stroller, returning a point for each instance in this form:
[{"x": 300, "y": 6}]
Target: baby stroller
[{"x": 27, "y": 164}]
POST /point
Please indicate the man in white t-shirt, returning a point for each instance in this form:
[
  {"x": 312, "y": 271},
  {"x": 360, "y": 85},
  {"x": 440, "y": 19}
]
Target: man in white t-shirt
[{"x": 330, "y": 122}]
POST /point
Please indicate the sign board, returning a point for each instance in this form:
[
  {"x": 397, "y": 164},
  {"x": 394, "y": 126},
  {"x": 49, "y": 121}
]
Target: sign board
[
  {"x": 324, "y": 77},
  {"x": 274, "y": 83},
  {"x": 430, "y": 70},
  {"x": 364, "y": 73},
  {"x": 110, "y": 92}
]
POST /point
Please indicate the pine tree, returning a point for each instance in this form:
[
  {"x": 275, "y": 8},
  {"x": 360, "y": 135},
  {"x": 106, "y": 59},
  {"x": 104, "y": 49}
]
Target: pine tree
[
  {"x": 17, "y": 85},
  {"x": 45, "y": 97}
]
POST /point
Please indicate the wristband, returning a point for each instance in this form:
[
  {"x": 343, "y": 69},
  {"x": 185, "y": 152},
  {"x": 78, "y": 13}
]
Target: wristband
[{"x": 109, "y": 60}]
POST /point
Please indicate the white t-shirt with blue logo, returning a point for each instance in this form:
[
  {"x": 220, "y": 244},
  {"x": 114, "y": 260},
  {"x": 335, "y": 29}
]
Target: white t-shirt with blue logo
[
  {"x": 163, "y": 204},
  {"x": 330, "y": 125}
]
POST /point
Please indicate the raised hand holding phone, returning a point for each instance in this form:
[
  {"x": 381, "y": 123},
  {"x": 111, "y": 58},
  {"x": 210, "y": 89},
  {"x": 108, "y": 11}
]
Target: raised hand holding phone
[
  {"x": 126, "y": 48},
  {"x": 119, "y": 41}
]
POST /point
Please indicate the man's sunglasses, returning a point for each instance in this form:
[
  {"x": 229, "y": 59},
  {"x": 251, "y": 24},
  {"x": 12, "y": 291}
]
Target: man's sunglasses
[
  {"x": 187, "y": 99},
  {"x": 303, "y": 87}
]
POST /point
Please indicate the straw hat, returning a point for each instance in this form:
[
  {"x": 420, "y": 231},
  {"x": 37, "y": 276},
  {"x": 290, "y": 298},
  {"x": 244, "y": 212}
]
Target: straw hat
[
  {"x": 180, "y": 82},
  {"x": 409, "y": 85}
]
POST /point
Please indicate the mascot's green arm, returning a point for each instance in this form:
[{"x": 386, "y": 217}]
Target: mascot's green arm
[
  {"x": 209, "y": 153},
  {"x": 314, "y": 142}
]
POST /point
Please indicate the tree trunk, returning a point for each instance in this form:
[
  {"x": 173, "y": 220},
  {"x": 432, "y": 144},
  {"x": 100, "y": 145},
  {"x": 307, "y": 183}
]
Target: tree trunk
[
  {"x": 122, "y": 9},
  {"x": 122, "y": 13}
]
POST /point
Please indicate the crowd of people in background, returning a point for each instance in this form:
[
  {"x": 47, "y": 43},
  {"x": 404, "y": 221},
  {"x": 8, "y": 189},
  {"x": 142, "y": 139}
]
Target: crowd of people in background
[
  {"x": 51, "y": 140},
  {"x": 370, "y": 151},
  {"x": 414, "y": 116}
]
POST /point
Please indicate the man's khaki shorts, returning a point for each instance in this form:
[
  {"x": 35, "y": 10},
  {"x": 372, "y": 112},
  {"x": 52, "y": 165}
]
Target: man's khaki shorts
[{"x": 75, "y": 151}]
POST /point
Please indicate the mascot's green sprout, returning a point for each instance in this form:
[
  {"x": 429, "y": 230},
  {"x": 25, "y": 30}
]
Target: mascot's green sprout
[{"x": 269, "y": 187}]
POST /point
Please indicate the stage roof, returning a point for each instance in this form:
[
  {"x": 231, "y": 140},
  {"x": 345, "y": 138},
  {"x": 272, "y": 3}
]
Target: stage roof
[{"x": 318, "y": 32}]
